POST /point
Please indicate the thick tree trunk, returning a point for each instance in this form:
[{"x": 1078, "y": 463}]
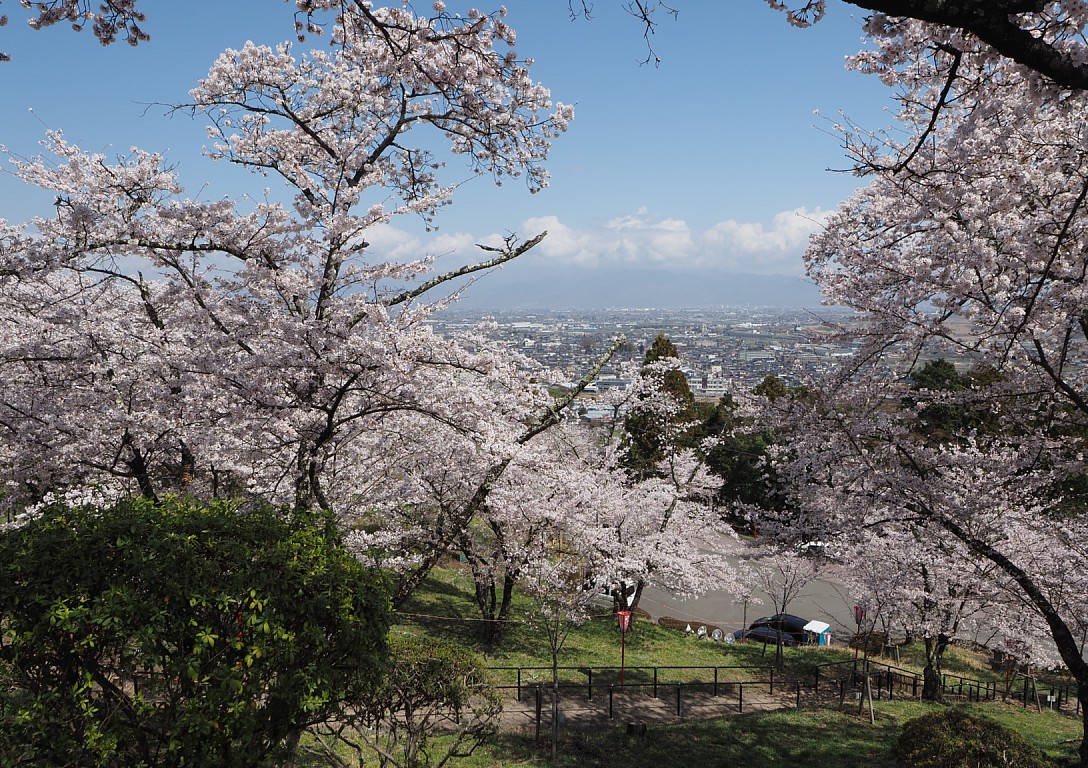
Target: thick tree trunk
[
  {"x": 138, "y": 469},
  {"x": 498, "y": 609},
  {"x": 619, "y": 597},
  {"x": 932, "y": 688},
  {"x": 494, "y": 605}
]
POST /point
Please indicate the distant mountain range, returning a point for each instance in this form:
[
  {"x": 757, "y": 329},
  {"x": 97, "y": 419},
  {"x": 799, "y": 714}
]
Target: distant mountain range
[{"x": 589, "y": 288}]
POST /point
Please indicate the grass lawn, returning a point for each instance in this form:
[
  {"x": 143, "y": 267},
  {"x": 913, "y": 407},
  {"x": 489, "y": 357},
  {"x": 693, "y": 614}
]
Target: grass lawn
[{"x": 822, "y": 737}]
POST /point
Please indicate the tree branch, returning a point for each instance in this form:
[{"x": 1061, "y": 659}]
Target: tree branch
[
  {"x": 507, "y": 253},
  {"x": 994, "y": 23}
]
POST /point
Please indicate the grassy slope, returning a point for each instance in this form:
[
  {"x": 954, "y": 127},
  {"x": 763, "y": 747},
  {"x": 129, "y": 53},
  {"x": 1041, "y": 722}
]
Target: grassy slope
[{"x": 823, "y": 737}]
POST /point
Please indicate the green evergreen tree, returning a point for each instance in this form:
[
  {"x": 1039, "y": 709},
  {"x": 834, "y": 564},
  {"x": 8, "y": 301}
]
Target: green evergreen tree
[{"x": 650, "y": 432}]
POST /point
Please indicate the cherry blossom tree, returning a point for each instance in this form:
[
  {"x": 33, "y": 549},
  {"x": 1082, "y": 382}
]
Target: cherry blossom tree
[
  {"x": 782, "y": 573},
  {"x": 932, "y": 588},
  {"x": 967, "y": 243},
  {"x": 162, "y": 344},
  {"x": 565, "y": 494}
]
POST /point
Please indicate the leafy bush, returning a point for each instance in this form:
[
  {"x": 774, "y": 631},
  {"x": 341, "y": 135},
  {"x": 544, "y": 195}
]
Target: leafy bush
[
  {"x": 179, "y": 634},
  {"x": 431, "y": 689},
  {"x": 954, "y": 739}
]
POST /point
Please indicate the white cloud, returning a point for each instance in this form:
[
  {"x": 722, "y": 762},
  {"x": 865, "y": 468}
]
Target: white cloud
[
  {"x": 789, "y": 232},
  {"x": 563, "y": 244},
  {"x": 634, "y": 239},
  {"x": 729, "y": 246},
  {"x": 395, "y": 244}
]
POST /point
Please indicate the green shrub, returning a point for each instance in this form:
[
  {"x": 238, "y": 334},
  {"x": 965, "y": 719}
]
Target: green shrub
[
  {"x": 954, "y": 739},
  {"x": 179, "y": 634}
]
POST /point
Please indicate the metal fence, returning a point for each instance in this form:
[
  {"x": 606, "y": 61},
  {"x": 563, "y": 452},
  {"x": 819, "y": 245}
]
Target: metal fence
[
  {"x": 723, "y": 689},
  {"x": 889, "y": 681}
]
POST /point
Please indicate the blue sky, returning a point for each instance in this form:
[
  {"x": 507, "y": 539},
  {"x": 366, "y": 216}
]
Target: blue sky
[{"x": 710, "y": 165}]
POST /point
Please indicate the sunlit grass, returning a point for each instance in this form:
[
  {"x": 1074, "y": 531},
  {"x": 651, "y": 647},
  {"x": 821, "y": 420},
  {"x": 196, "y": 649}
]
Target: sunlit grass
[
  {"x": 801, "y": 739},
  {"x": 809, "y": 737}
]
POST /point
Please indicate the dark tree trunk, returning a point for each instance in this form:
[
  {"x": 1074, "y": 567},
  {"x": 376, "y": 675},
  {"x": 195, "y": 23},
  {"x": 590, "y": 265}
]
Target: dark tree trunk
[
  {"x": 137, "y": 467},
  {"x": 500, "y": 610},
  {"x": 494, "y": 605},
  {"x": 931, "y": 685},
  {"x": 932, "y": 688},
  {"x": 619, "y": 602},
  {"x": 188, "y": 468}
]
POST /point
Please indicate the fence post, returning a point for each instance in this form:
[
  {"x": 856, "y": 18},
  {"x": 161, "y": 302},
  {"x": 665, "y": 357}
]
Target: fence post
[
  {"x": 772, "y": 680},
  {"x": 589, "y": 672},
  {"x": 611, "y": 692},
  {"x": 519, "y": 685},
  {"x": 740, "y": 697},
  {"x": 678, "y": 687},
  {"x": 655, "y": 682},
  {"x": 539, "y": 707},
  {"x": 715, "y": 681},
  {"x": 817, "y": 688}
]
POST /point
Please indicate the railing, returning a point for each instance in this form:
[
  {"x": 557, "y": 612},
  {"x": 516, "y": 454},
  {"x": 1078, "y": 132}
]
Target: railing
[
  {"x": 718, "y": 689},
  {"x": 637, "y": 678},
  {"x": 1048, "y": 696},
  {"x": 886, "y": 679}
]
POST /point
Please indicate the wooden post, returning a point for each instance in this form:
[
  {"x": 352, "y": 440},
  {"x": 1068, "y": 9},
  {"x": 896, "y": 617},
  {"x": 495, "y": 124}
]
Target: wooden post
[{"x": 539, "y": 709}]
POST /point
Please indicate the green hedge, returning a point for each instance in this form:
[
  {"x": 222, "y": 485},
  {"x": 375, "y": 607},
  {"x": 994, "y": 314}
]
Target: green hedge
[{"x": 954, "y": 739}]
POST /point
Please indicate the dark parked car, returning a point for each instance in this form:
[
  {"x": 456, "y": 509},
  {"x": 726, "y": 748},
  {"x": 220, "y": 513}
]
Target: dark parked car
[
  {"x": 760, "y": 634},
  {"x": 787, "y": 623}
]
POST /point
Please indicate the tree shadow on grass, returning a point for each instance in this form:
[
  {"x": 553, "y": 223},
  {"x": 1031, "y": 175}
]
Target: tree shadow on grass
[
  {"x": 817, "y": 739},
  {"x": 442, "y": 608}
]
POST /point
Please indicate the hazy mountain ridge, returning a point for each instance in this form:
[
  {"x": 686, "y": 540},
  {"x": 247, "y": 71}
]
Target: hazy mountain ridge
[{"x": 580, "y": 288}]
